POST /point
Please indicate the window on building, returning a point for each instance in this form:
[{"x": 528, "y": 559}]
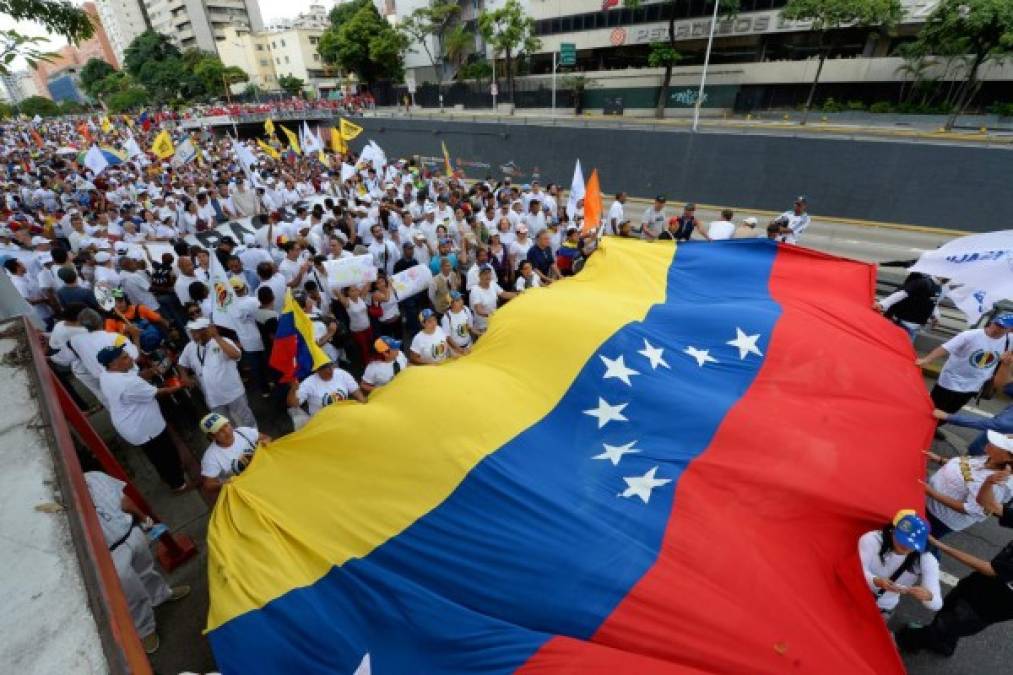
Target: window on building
[
  {"x": 277, "y": 60},
  {"x": 316, "y": 57},
  {"x": 260, "y": 48},
  {"x": 264, "y": 62},
  {"x": 282, "y": 43},
  {"x": 314, "y": 40},
  {"x": 286, "y": 59},
  {"x": 274, "y": 45}
]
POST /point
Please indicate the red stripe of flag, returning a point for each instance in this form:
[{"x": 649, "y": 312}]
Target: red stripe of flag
[{"x": 759, "y": 561}]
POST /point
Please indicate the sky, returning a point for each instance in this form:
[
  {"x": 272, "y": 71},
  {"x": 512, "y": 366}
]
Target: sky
[{"x": 271, "y": 10}]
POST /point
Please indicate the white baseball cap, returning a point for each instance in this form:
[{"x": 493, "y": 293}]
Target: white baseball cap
[
  {"x": 1001, "y": 441},
  {"x": 198, "y": 324}
]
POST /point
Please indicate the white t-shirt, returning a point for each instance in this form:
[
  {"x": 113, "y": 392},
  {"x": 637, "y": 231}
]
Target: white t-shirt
[
  {"x": 615, "y": 214},
  {"x": 973, "y": 359},
  {"x": 484, "y": 299},
  {"x": 244, "y": 312},
  {"x": 653, "y": 222},
  {"x": 961, "y": 478},
  {"x": 456, "y": 325},
  {"x": 925, "y": 573},
  {"x": 217, "y": 373},
  {"x": 519, "y": 250},
  {"x": 797, "y": 224},
  {"x": 132, "y": 406},
  {"x": 720, "y": 229},
  {"x": 358, "y": 315},
  {"x": 220, "y": 462},
  {"x": 290, "y": 269},
  {"x": 318, "y": 393},
  {"x": 522, "y": 284},
  {"x": 379, "y": 373},
  {"x": 431, "y": 348}
]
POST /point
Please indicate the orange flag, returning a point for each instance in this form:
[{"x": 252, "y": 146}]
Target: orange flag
[
  {"x": 592, "y": 204},
  {"x": 82, "y": 129},
  {"x": 36, "y": 137}
]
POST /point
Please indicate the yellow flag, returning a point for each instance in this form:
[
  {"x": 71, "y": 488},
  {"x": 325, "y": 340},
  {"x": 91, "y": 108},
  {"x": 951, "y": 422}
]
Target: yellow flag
[
  {"x": 269, "y": 127},
  {"x": 271, "y": 152},
  {"x": 446, "y": 159},
  {"x": 163, "y": 147},
  {"x": 348, "y": 130},
  {"x": 323, "y": 158},
  {"x": 129, "y": 120},
  {"x": 337, "y": 142},
  {"x": 293, "y": 140},
  {"x": 107, "y": 126}
]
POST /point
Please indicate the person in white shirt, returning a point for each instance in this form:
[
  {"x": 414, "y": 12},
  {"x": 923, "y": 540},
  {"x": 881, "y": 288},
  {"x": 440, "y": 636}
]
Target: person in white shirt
[
  {"x": 135, "y": 414},
  {"x": 430, "y": 345},
  {"x": 520, "y": 246},
  {"x": 384, "y": 251},
  {"x": 534, "y": 219},
  {"x": 458, "y": 323},
  {"x": 895, "y": 563},
  {"x": 137, "y": 284},
  {"x": 104, "y": 273},
  {"x": 616, "y": 215},
  {"x": 392, "y": 361},
  {"x": 185, "y": 277},
  {"x": 123, "y": 527},
  {"x": 244, "y": 313},
  {"x": 28, "y": 289},
  {"x": 791, "y": 224},
  {"x": 526, "y": 277},
  {"x": 230, "y": 451},
  {"x": 80, "y": 351},
  {"x": 323, "y": 387},
  {"x": 212, "y": 360},
  {"x": 722, "y": 229},
  {"x": 275, "y": 281},
  {"x": 966, "y": 490},
  {"x": 972, "y": 357},
  {"x": 484, "y": 298},
  {"x": 654, "y": 219}
]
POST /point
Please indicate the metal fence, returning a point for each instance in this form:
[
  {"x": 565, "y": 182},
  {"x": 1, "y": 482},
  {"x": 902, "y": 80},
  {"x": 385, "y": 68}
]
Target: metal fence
[{"x": 474, "y": 95}]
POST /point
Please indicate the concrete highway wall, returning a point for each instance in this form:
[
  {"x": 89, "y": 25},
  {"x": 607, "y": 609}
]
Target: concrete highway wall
[{"x": 949, "y": 186}]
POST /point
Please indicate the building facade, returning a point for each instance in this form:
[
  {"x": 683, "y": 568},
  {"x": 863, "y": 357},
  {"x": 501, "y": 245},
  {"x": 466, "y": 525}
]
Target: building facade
[
  {"x": 123, "y": 21},
  {"x": 19, "y": 85},
  {"x": 251, "y": 52},
  {"x": 268, "y": 55},
  {"x": 71, "y": 58},
  {"x": 759, "y": 58},
  {"x": 202, "y": 23}
]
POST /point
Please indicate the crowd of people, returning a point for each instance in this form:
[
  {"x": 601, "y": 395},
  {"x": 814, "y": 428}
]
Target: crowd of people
[{"x": 117, "y": 264}]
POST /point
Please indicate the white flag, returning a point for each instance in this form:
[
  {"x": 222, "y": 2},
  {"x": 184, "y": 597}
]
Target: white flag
[
  {"x": 223, "y": 297},
  {"x": 95, "y": 160},
  {"x": 37, "y": 120},
  {"x": 373, "y": 154},
  {"x": 576, "y": 191},
  {"x": 185, "y": 152},
  {"x": 347, "y": 171},
  {"x": 979, "y": 268},
  {"x": 131, "y": 146},
  {"x": 310, "y": 142}
]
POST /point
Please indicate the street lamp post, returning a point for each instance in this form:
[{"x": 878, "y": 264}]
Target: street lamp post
[{"x": 706, "y": 62}]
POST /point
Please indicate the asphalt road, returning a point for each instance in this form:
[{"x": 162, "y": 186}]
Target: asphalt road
[{"x": 991, "y": 651}]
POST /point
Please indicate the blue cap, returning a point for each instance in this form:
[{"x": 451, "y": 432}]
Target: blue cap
[
  {"x": 1005, "y": 320},
  {"x": 107, "y": 355},
  {"x": 426, "y": 314},
  {"x": 910, "y": 531},
  {"x": 455, "y": 295}
]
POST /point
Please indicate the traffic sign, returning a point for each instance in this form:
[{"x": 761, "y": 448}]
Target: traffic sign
[
  {"x": 494, "y": 90},
  {"x": 410, "y": 82},
  {"x": 567, "y": 54}
]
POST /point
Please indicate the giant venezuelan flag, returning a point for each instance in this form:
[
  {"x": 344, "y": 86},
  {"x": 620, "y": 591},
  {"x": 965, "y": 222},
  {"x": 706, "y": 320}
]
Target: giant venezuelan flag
[{"x": 660, "y": 465}]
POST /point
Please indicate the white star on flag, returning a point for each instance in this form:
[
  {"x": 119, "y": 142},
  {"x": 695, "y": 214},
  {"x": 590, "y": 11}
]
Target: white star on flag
[
  {"x": 702, "y": 356},
  {"x": 653, "y": 355},
  {"x": 607, "y": 413},
  {"x": 614, "y": 453},
  {"x": 745, "y": 343},
  {"x": 617, "y": 368},
  {"x": 641, "y": 486}
]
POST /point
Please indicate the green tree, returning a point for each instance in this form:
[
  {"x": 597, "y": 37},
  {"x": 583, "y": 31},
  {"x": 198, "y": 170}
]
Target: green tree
[
  {"x": 430, "y": 25},
  {"x": 6, "y": 111},
  {"x": 362, "y": 42},
  {"x": 511, "y": 33},
  {"x": 70, "y": 107},
  {"x": 39, "y": 105},
  {"x": 981, "y": 31},
  {"x": 828, "y": 16},
  {"x": 291, "y": 85},
  {"x": 458, "y": 43},
  {"x": 146, "y": 48},
  {"x": 93, "y": 72},
  {"x": 215, "y": 76},
  {"x": 156, "y": 64},
  {"x": 56, "y": 16},
  {"x": 665, "y": 55},
  {"x": 131, "y": 98}
]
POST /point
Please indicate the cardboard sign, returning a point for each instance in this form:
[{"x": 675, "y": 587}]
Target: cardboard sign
[{"x": 353, "y": 271}]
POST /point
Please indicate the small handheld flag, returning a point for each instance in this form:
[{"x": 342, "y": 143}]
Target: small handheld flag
[
  {"x": 295, "y": 353},
  {"x": 269, "y": 127},
  {"x": 349, "y": 131},
  {"x": 592, "y": 204},
  {"x": 163, "y": 147},
  {"x": 293, "y": 140}
]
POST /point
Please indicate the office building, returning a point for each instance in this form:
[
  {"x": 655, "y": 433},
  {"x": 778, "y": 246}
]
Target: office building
[
  {"x": 123, "y": 20},
  {"x": 202, "y": 23},
  {"x": 70, "y": 58}
]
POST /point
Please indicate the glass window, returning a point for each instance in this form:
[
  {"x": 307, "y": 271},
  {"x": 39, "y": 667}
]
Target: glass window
[
  {"x": 273, "y": 45},
  {"x": 282, "y": 43},
  {"x": 286, "y": 59},
  {"x": 555, "y": 26}
]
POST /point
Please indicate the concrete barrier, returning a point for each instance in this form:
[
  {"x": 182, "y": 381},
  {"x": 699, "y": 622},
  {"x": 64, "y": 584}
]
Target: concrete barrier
[{"x": 933, "y": 185}]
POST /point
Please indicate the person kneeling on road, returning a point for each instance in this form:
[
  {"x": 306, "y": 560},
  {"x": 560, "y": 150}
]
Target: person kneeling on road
[
  {"x": 895, "y": 563},
  {"x": 229, "y": 453},
  {"x": 983, "y": 598}
]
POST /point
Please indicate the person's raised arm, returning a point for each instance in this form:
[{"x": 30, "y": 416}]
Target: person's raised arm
[
  {"x": 231, "y": 350},
  {"x": 946, "y": 501},
  {"x": 986, "y": 494},
  {"x": 975, "y": 563}
]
